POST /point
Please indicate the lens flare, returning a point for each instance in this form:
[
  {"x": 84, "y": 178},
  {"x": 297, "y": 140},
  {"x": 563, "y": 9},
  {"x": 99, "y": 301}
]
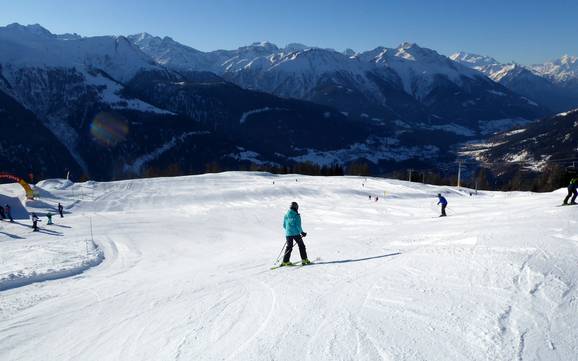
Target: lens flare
[{"x": 109, "y": 129}]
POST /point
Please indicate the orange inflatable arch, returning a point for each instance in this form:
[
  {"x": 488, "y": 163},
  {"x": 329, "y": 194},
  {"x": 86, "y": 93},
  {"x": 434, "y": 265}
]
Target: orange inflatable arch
[{"x": 22, "y": 182}]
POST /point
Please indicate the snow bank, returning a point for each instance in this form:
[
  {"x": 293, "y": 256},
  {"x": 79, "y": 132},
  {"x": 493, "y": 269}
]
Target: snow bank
[{"x": 43, "y": 260}]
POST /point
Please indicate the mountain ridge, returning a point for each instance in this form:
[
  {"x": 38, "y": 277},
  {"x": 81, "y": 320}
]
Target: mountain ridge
[
  {"x": 553, "y": 84},
  {"x": 130, "y": 103}
]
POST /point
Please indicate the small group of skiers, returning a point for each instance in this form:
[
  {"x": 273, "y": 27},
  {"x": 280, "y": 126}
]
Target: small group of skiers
[
  {"x": 6, "y": 213},
  {"x": 36, "y": 219}
]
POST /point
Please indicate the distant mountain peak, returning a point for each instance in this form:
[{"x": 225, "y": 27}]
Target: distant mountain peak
[
  {"x": 265, "y": 45},
  {"x": 473, "y": 60},
  {"x": 414, "y": 52},
  {"x": 568, "y": 59},
  {"x": 349, "y": 52},
  {"x": 407, "y": 45},
  {"x": 142, "y": 36},
  {"x": 296, "y": 47},
  {"x": 68, "y": 36},
  {"x": 560, "y": 70},
  {"x": 33, "y": 29}
]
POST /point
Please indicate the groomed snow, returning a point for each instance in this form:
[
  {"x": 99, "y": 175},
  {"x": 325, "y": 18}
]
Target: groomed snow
[{"x": 186, "y": 273}]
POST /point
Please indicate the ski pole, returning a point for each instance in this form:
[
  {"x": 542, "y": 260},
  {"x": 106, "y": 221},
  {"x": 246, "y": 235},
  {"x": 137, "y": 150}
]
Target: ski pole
[
  {"x": 284, "y": 254},
  {"x": 279, "y": 256}
]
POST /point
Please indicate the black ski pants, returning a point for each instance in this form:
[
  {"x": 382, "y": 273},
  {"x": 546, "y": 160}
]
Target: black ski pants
[
  {"x": 289, "y": 247},
  {"x": 571, "y": 193},
  {"x": 444, "y": 210}
]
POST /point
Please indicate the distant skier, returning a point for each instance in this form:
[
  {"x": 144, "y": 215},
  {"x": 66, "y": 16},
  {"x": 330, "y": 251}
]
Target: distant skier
[
  {"x": 444, "y": 202},
  {"x": 294, "y": 233},
  {"x": 370, "y": 197},
  {"x": 571, "y": 192},
  {"x": 376, "y": 198},
  {"x": 35, "y": 221},
  {"x": 9, "y": 213},
  {"x": 60, "y": 210},
  {"x": 49, "y": 216},
  {"x": 2, "y": 214}
]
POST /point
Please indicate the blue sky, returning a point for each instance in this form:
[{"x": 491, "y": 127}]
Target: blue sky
[{"x": 528, "y": 31}]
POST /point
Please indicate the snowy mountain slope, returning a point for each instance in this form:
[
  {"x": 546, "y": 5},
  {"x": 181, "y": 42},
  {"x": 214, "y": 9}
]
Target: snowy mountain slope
[
  {"x": 167, "y": 52},
  {"x": 485, "y": 64},
  {"x": 388, "y": 84},
  {"x": 473, "y": 60},
  {"x": 560, "y": 70},
  {"x": 95, "y": 112},
  {"x": 418, "y": 67},
  {"x": 494, "y": 280},
  {"x": 33, "y": 46},
  {"x": 66, "y": 81},
  {"x": 538, "y": 83},
  {"x": 70, "y": 102},
  {"x": 550, "y": 138},
  {"x": 262, "y": 122},
  {"x": 146, "y": 93},
  {"x": 27, "y": 146}
]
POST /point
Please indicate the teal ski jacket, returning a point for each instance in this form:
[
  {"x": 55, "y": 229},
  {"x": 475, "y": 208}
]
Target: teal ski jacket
[{"x": 292, "y": 223}]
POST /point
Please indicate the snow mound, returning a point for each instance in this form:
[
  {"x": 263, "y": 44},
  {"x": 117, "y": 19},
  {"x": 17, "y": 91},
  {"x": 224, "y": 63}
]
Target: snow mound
[{"x": 45, "y": 260}]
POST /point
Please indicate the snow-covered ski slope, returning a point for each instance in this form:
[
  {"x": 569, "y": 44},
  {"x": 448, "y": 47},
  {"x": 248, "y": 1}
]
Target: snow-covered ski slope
[{"x": 186, "y": 273}]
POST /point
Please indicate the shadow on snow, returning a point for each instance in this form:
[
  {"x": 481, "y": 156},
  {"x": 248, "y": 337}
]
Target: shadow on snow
[{"x": 356, "y": 259}]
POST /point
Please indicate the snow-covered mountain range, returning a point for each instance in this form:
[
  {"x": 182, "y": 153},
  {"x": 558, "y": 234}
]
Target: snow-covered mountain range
[
  {"x": 560, "y": 70},
  {"x": 553, "y": 84},
  {"x": 408, "y": 83},
  {"x": 92, "y": 96},
  {"x": 121, "y": 105}
]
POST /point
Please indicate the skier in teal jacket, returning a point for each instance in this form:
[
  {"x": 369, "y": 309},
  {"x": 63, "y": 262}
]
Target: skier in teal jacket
[{"x": 294, "y": 233}]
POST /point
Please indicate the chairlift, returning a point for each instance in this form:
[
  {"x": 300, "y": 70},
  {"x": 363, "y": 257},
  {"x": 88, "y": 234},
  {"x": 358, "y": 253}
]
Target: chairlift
[{"x": 571, "y": 169}]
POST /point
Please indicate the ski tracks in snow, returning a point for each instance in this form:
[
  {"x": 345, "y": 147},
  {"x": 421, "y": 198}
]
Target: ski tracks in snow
[
  {"x": 186, "y": 277},
  {"x": 262, "y": 326}
]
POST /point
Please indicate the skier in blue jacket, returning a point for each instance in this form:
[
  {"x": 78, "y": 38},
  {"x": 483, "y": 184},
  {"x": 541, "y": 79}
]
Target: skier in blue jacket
[
  {"x": 444, "y": 202},
  {"x": 294, "y": 233}
]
